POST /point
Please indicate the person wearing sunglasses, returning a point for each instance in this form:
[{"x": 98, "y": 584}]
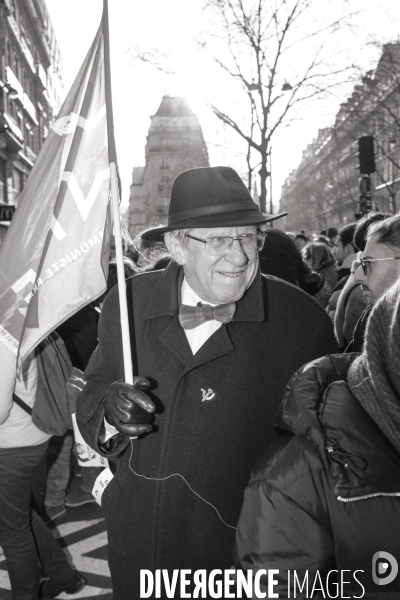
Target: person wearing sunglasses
[
  {"x": 352, "y": 308},
  {"x": 379, "y": 264},
  {"x": 216, "y": 343}
]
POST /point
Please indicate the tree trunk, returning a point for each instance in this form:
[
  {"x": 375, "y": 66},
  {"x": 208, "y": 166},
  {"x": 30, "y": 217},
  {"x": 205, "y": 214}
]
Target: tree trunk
[{"x": 263, "y": 172}]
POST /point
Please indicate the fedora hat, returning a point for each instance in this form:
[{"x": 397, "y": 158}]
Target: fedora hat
[{"x": 209, "y": 197}]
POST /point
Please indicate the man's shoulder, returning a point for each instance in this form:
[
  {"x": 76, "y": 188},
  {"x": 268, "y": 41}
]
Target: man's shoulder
[
  {"x": 282, "y": 293},
  {"x": 138, "y": 287},
  {"x": 145, "y": 280}
]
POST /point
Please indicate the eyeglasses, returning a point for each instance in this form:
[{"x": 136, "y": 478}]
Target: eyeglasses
[
  {"x": 365, "y": 262},
  {"x": 220, "y": 245}
]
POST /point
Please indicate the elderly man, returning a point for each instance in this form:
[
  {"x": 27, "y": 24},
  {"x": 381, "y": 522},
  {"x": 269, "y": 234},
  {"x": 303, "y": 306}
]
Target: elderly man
[{"x": 215, "y": 345}]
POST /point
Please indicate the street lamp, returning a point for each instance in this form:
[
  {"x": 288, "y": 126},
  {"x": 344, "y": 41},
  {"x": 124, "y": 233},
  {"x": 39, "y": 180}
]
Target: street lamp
[{"x": 286, "y": 87}]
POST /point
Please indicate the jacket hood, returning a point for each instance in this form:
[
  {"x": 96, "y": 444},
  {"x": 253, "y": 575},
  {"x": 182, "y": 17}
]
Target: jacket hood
[
  {"x": 319, "y": 406},
  {"x": 299, "y": 409}
]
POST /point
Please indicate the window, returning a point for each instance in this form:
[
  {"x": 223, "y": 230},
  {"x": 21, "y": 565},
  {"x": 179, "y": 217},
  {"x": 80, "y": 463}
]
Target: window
[
  {"x": 17, "y": 68},
  {"x": 13, "y": 110},
  {"x": 3, "y": 187},
  {"x": 10, "y": 56},
  {"x": 28, "y": 135}
]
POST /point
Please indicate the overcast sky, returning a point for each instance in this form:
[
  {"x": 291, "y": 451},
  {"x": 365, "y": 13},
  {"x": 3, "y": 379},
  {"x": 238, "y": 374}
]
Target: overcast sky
[{"x": 171, "y": 25}]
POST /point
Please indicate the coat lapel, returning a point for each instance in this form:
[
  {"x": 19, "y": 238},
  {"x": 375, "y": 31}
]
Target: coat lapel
[
  {"x": 175, "y": 340},
  {"x": 217, "y": 345}
]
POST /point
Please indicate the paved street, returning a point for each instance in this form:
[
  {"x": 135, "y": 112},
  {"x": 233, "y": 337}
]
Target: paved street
[{"x": 83, "y": 536}]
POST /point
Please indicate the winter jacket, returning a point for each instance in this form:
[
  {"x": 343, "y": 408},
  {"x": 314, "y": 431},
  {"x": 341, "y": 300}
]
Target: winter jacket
[
  {"x": 343, "y": 274},
  {"x": 79, "y": 334},
  {"x": 326, "y": 495},
  {"x": 154, "y": 519}
]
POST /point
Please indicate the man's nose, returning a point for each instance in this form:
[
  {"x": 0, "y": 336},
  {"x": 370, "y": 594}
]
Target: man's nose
[
  {"x": 236, "y": 254},
  {"x": 359, "y": 275}
]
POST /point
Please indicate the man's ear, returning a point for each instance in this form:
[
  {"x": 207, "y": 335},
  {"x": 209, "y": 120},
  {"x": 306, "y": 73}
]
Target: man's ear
[
  {"x": 348, "y": 249},
  {"x": 175, "y": 248}
]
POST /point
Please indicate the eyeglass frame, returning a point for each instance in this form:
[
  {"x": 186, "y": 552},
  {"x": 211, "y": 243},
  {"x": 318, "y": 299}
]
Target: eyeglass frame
[
  {"x": 364, "y": 262},
  {"x": 258, "y": 233}
]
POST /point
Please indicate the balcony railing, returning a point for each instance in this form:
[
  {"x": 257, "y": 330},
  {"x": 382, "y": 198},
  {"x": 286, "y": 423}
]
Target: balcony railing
[
  {"x": 22, "y": 43},
  {"x": 12, "y": 126},
  {"x": 13, "y": 81}
]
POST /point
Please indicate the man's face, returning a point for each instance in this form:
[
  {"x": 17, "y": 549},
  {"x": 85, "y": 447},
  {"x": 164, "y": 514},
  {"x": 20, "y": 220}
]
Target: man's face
[
  {"x": 219, "y": 279},
  {"x": 300, "y": 243},
  {"x": 341, "y": 252},
  {"x": 380, "y": 275}
]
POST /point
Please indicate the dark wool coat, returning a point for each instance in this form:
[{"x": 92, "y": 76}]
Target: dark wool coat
[
  {"x": 154, "y": 519},
  {"x": 326, "y": 495}
]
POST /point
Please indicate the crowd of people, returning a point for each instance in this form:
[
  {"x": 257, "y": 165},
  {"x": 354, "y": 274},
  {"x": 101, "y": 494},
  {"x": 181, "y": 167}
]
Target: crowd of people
[{"x": 262, "y": 428}]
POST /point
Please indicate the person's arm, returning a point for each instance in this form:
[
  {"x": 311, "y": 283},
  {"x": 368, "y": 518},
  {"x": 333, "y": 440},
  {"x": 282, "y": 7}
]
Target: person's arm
[
  {"x": 8, "y": 366},
  {"x": 106, "y": 395},
  {"x": 275, "y": 532},
  {"x": 105, "y": 367}
]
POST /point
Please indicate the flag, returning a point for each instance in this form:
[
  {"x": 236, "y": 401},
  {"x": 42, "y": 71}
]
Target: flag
[{"x": 54, "y": 258}]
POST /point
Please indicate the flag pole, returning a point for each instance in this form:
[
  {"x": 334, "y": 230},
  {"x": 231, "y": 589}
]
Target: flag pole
[{"x": 126, "y": 343}]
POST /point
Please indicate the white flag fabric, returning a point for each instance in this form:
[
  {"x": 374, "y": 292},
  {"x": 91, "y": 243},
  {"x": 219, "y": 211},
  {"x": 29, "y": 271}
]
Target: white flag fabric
[{"x": 54, "y": 259}]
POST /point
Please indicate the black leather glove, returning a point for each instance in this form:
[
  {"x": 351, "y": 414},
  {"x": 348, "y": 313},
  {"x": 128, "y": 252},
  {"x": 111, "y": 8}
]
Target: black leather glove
[{"x": 128, "y": 408}]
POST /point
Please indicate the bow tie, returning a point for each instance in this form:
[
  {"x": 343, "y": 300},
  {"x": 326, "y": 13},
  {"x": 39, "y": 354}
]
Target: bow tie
[{"x": 193, "y": 316}]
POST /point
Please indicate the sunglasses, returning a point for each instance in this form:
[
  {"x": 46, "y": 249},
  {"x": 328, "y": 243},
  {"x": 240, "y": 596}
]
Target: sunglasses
[{"x": 365, "y": 262}]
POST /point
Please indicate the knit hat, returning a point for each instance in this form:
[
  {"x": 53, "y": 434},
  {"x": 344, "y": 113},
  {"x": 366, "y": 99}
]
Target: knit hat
[{"x": 374, "y": 377}]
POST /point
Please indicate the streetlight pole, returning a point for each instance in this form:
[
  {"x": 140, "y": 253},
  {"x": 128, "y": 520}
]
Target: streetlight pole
[{"x": 392, "y": 146}]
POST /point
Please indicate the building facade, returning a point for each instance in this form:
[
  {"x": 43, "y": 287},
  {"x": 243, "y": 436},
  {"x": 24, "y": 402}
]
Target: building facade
[
  {"x": 30, "y": 93},
  {"x": 175, "y": 143},
  {"x": 324, "y": 190}
]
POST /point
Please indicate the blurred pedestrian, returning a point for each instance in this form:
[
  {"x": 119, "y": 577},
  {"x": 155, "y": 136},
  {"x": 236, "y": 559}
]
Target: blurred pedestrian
[
  {"x": 332, "y": 234},
  {"x": 281, "y": 258},
  {"x": 301, "y": 240},
  {"x": 345, "y": 254},
  {"x": 29, "y": 546},
  {"x": 319, "y": 258},
  {"x": 323, "y": 239},
  {"x": 346, "y": 251}
]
